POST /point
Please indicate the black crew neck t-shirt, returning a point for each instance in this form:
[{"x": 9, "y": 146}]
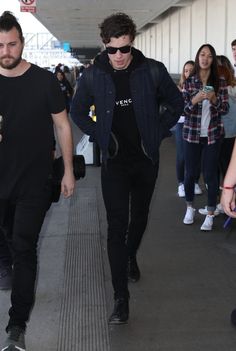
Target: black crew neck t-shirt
[
  {"x": 26, "y": 105},
  {"x": 124, "y": 125}
]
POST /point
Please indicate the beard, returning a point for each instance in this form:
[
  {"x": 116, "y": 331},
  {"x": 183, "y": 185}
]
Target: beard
[{"x": 11, "y": 64}]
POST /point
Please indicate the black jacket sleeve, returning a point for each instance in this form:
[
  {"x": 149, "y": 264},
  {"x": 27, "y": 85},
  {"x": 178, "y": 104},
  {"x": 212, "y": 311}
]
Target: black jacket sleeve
[{"x": 80, "y": 107}]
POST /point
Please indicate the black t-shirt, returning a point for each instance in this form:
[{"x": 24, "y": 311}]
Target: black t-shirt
[
  {"x": 26, "y": 105},
  {"x": 124, "y": 124}
]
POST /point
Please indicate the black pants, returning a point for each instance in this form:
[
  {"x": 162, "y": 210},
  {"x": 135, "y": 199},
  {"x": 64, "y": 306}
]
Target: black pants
[
  {"x": 127, "y": 190},
  {"x": 209, "y": 156},
  {"x": 226, "y": 149},
  {"x": 21, "y": 220},
  {"x": 5, "y": 253}
]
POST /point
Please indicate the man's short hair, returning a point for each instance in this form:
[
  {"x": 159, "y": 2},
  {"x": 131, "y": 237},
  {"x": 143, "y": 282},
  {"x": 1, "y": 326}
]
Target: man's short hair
[
  {"x": 233, "y": 43},
  {"x": 9, "y": 21},
  {"x": 117, "y": 25}
]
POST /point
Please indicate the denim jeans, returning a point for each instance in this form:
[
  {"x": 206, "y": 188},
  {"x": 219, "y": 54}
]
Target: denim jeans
[
  {"x": 179, "y": 142},
  {"x": 180, "y": 162},
  {"x": 210, "y": 156},
  {"x": 127, "y": 190},
  {"x": 21, "y": 220}
]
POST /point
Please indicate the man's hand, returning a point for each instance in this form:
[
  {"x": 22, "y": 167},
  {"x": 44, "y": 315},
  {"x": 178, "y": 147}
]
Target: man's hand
[
  {"x": 68, "y": 184},
  {"x": 64, "y": 134}
]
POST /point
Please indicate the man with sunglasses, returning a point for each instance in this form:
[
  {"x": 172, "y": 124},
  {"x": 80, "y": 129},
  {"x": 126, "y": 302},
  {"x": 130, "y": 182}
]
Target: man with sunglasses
[{"x": 128, "y": 133}]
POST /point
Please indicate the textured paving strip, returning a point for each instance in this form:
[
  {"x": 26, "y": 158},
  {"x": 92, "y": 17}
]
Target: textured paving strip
[{"x": 83, "y": 317}]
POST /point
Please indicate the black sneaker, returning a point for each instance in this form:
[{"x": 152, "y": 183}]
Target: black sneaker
[
  {"x": 5, "y": 278},
  {"x": 15, "y": 340},
  {"x": 133, "y": 270},
  {"x": 120, "y": 314}
]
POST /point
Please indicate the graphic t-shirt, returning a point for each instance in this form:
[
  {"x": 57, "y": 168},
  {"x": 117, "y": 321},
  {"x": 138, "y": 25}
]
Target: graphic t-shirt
[
  {"x": 26, "y": 104},
  {"x": 124, "y": 125}
]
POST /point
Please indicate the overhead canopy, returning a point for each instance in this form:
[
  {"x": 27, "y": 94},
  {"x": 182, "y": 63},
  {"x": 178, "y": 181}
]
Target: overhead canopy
[{"x": 76, "y": 21}]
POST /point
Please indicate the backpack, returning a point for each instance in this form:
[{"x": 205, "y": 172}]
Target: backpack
[
  {"x": 155, "y": 73},
  {"x": 163, "y": 105}
]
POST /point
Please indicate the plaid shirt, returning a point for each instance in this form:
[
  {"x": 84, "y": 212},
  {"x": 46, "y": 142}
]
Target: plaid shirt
[{"x": 193, "y": 113}]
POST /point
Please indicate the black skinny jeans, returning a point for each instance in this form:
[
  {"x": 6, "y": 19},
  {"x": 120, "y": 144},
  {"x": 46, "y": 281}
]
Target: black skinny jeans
[
  {"x": 21, "y": 220},
  {"x": 127, "y": 191},
  {"x": 208, "y": 156}
]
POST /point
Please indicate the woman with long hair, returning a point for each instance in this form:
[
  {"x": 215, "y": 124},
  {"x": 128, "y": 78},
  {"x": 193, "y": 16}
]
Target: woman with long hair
[
  {"x": 206, "y": 99},
  {"x": 179, "y": 142}
]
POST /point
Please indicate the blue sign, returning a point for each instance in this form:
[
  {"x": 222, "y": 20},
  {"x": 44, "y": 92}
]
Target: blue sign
[{"x": 66, "y": 46}]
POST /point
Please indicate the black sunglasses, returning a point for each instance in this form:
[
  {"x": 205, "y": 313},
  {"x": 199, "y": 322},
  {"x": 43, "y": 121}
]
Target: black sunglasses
[{"x": 123, "y": 49}]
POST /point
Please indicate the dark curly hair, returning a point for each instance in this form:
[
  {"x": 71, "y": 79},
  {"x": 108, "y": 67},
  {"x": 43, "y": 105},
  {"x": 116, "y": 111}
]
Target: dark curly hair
[
  {"x": 117, "y": 25},
  {"x": 9, "y": 21}
]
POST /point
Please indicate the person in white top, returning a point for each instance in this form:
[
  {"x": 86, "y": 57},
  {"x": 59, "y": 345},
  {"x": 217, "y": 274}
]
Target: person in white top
[
  {"x": 226, "y": 71},
  {"x": 206, "y": 100},
  {"x": 178, "y": 133}
]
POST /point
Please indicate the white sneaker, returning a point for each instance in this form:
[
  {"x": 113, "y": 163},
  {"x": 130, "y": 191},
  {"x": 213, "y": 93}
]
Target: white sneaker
[
  {"x": 203, "y": 211},
  {"x": 189, "y": 215},
  {"x": 220, "y": 208},
  {"x": 181, "y": 191},
  {"x": 208, "y": 223},
  {"x": 197, "y": 189}
]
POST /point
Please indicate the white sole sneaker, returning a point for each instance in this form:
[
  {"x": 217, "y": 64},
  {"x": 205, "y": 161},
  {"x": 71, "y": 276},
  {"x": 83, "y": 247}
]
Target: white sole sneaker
[
  {"x": 208, "y": 223},
  {"x": 181, "y": 191},
  {"x": 220, "y": 208},
  {"x": 189, "y": 215},
  {"x": 197, "y": 189},
  {"x": 203, "y": 211}
]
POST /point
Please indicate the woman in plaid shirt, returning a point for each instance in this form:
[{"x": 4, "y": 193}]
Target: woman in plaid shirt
[{"x": 206, "y": 99}]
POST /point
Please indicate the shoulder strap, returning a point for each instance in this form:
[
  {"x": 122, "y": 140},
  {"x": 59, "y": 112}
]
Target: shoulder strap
[{"x": 155, "y": 73}]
